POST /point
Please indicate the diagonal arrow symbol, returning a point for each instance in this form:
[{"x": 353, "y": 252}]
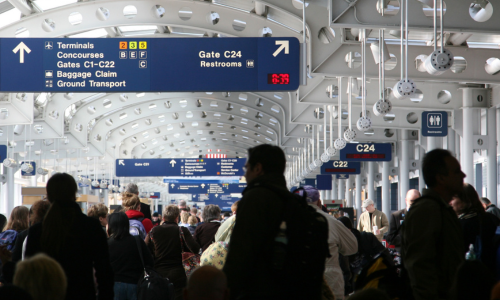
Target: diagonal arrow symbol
[
  {"x": 284, "y": 45},
  {"x": 21, "y": 47}
]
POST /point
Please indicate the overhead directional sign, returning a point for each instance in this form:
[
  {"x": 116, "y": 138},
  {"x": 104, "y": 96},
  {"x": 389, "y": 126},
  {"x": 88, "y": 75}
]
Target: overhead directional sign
[
  {"x": 434, "y": 123},
  {"x": 208, "y": 188},
  {"x": 324, "y": 182},
  {"x": 155, "y": 167},
  {"x": 3, "y": 152},
  {"x": 28, "y": 168},
  {"x": 366, "y": 152},
  {"x": 148, "y": 65},
  {"x": 341, "y": 167}
]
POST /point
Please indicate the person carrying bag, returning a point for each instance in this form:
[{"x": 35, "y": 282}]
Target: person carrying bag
[{"x": 190, "y": 260}]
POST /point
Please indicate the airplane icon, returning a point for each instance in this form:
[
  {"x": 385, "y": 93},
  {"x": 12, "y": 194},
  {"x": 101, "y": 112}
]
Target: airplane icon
[{"x": 49, "y": 46}]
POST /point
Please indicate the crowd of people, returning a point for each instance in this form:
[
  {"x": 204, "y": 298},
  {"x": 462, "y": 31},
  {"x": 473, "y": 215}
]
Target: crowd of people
[{"x": 272, "y": 245}]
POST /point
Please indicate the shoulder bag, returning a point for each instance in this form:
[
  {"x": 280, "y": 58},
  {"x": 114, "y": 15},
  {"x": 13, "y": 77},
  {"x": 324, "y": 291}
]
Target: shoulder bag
[
  {"x": 190, "y": 261},
  {"x": 215, "y": 255}
]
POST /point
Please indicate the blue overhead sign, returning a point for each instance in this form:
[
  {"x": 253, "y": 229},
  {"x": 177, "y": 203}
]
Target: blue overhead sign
[
  {"x": 148, "y": 65},
  {"x": 26, "y": 170},
  {"x": 206, "y": 188},
  {"x": 434, "y": 123},
  {"x": 324, "y": 182},
  {"x": 341, "y": 167},
  {"x": 3, "y": 152},
  {"x": 366, "y": 152},
  {"x": 155, "y": 167}
]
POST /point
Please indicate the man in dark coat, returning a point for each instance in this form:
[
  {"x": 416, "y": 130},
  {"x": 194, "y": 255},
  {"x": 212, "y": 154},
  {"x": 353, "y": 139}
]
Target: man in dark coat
[
  {"x": 397, "y": 218},
  {"x": 145, "y": 209},
  {"x": 490, "y": 207},
  {"x": 249, "y": 265},
  {"x": 432, "y": 237}
]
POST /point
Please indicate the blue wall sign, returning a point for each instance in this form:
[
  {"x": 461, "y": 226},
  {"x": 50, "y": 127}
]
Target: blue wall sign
[
  {"x": 308, "y": 181},
  {"x": 206, "y": 188},
  {"x": 434, "y": 123},
  {"x": 366, "y": 152},
  {"x": 341, "y": 167},
  {"x": 324, "y": 182},
  {"x": 342, "y": 176},
  {"x": 200, "y": 181},
  {"x": 155, "y": 167},
  {"x": 155, "y": 195},
  {"x": 148, "y": 65},
  {"x": 3, "y": 152},
  {"x": 33, "y": 170}
]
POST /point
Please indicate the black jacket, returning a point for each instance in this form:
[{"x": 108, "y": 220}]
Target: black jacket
[
  {"x": 84, "y": 250},
  {"x": 395, "y": 223},
  {"x": 125, "y": 259},
  {"x": 492, "y": 209},
  {"x": 249, "y": 264},
  {"x": 204, "y": 234}
]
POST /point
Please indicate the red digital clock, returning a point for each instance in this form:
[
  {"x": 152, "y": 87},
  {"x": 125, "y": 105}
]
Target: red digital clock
[{"x": 276, "y": 78}]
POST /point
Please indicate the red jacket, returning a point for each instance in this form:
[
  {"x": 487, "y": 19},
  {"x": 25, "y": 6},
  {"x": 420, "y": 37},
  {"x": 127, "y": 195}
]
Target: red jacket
[{"x": 134, "y": 214}]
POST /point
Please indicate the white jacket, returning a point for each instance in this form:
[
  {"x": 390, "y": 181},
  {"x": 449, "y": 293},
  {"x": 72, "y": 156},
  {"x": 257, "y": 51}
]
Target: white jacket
[{"x": 340, "y": 240}]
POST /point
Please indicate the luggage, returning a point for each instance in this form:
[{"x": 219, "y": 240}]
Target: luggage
[
  {"x": 136, "y": 228},
  {"x": 8, "y": 237}
]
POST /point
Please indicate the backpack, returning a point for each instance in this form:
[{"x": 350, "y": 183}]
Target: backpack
[
  {"x": 136, "y": 228},
  {"x": 152, "y": 285},
  {"x": 8, "y": 237},
  {"x": 300, "y": 247}
]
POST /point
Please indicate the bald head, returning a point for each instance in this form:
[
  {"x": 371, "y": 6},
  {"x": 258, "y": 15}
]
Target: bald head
[
  {"x": 207, "y": 283},
  {"x": 411, "y": 195}
]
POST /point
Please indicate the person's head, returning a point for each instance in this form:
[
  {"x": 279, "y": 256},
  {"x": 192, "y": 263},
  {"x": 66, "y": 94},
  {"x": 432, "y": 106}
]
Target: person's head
[
  {"x": 226, "y": 214},
  {"x": 130, "y": 201},
  {"x": 118, "y": 225},
  {"x": 182, "y": 204},
  {"x": 155, "y": 216},
  {"x": 211, "y": 212},
  {"x": 234, "y": 207},
  {"x": 485, "y": 201},
  {"x": 19, "y": 219},
  {"x": 207, "y": 283},
  {"x": 3, "y": 222},
  {"x": 311, "y": 194},
  {"x": 184, "y": 217},
  {"x": 369, "y": 205},
  {"x": 467, "y": 201},
  {"x": 264, "y": 159},
  {"x": 42, "y": 277},
  {"x": 38, "y": 211},
  {"x": 346, "y": 221},
  {"x": 132, "y": 188},
  {"x": 61, "y": 193},
  {"x": 99, "y": 211},
  {"x": 192, "y": 221},
  {"x": 442, "y": 172},
  {"x": 194, "y": 211},
  {"x": 411, "y": 196},
  {"x": 171, "y": 213}
]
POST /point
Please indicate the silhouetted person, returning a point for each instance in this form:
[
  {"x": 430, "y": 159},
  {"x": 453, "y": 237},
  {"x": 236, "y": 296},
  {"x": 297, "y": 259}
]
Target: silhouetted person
[{"x": 207, "y": 283}]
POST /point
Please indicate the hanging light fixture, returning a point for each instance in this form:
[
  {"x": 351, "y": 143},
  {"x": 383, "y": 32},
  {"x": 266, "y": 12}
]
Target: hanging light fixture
[
  {"x": 340, "y": 143},
  {"x": 382, "y": 106},
  {"x": 364, "y": 123},
  {"x": 331, "y": 151},
  {"x": 324, "y": 157},
  {"x": 441, "y": 59},
  {"x": 405, "y": 87},
  {"x": 349, "y": 134}
]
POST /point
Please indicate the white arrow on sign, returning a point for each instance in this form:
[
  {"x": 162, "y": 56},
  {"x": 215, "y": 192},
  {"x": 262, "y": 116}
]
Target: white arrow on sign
[
  {"x": 172, "y": 185},
  {"x": 21, "y": 47},
  {"x": 202, "y": 185},
  {"x": 120, "y": 162},
  {"x": 284, "y": 45},
  {"x": 172, "y": 162},
  {"x": 216, "y": 195}
]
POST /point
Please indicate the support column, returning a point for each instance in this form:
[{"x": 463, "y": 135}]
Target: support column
[
  {"x": 322, "y": 195},
  {"x": 371, "y": 181},
  {"x": 334, "y": 188},
  {"x": 9, "y": 173},
  {"x": 434, "y": 142},
  {"x": 421, "y": 182},
  {"x": 451, "y": 141},
  {"x": 357, "y": 204},
  {"x": 386, "y": 189},
  {"x": 467, "y": 144},
  {"x": 404, "y": 168},
  {"x": 348, "y": 187},
  {"x": 341, "y": 189},
  {"x": 105, "y": 194},
  {"x": 491, "y": 191}
]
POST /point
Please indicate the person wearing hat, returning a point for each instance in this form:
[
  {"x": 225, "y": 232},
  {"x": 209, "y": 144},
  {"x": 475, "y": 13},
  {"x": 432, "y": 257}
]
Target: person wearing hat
[
  {"x": 373, "y": 220},
  {"x": 340, "y": 240},
  {"x": 156, "y": 219}
]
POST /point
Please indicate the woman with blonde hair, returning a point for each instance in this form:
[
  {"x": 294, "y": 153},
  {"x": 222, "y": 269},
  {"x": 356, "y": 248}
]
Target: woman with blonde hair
[
  {"x": 132, "y": 208},
  {"x": 19, "y": 219},
  {"x": 42, "y": 277},
  {"x": 184, "y": 219}
]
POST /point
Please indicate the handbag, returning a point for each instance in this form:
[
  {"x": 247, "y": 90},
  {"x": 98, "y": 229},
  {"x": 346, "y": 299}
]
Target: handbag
[
  {"x": 152, "y": 285},
  {"x": 215, "y": 255},
  {"x": 190, "y": 261}
]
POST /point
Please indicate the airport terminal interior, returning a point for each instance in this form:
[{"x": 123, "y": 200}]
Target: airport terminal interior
[{"x": 375, "y": 84}]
